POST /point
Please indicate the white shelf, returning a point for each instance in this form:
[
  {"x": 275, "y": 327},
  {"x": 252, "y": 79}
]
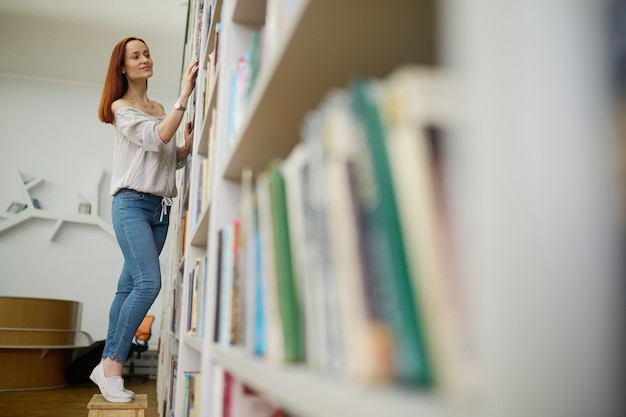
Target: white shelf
[
  {"x": 13, "y": 220},
  {"x": 200, "y": 232},
  {"x": 193, "y": 342},
  {"x": 307, "y": 393}
]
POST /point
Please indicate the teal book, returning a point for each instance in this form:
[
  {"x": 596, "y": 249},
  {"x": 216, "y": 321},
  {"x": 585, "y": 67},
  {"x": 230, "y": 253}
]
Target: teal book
[
  {"x": 289, "y": 304},
  {"x": 384, "y": 243}
]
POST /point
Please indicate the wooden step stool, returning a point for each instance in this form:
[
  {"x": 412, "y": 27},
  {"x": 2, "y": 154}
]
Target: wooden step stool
[{"x": 99, "y": 407}]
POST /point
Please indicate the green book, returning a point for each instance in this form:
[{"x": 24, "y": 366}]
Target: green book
[
  {"x": 384, "y": 243},
  {"x": 289, "y": 304}
]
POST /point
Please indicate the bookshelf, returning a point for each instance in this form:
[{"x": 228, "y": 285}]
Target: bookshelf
[{"x": 532, "y": 341}]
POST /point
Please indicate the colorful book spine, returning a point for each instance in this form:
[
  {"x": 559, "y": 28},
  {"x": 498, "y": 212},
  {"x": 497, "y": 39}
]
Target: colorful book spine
[
  {"x": 289, "y": 302},
  {"x": 385, "y": 245}
]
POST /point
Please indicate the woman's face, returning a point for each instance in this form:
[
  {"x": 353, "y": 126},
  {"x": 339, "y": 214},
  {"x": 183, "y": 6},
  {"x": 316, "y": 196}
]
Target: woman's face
[{"x": 137, "y": 61}]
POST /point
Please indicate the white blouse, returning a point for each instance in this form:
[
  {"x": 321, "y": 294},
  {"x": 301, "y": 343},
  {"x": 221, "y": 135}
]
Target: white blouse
[{"x": 141, "y": 161}]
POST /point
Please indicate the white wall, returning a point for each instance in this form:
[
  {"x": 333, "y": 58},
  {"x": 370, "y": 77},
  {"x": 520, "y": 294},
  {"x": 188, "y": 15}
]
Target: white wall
[{"x": 51, "y": 130}]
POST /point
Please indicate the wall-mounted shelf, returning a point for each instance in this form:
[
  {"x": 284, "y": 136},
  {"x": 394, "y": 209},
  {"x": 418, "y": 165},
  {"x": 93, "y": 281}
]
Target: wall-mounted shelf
[{"x": 12, "y": 220}]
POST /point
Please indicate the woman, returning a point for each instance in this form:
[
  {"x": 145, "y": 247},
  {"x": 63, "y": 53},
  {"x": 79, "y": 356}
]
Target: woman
[{"x": 143, "y": 182}]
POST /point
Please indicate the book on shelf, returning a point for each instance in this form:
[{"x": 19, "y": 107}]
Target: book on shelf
[
  {"x": 202, "y": 296},
  {"x": 326, "y": 350},
  {"x": 254, "y": 338},
  {"x": 197, "y": 395},
  {"x": 228, "y": 315},
  {"x": 412, "y": 363},
  {"x": 15, "y": 207},
  {"x": 289, "y": 302},
  {"x": 190, "y": 328},
  {"x": 202, "y": 190},
  {"x": 256, "y": 58},
  {"x": 197, "y": 282},
  {"x": 218, "y": 287},
  {"x": 84, "y": 208},
  {"x": 236, "y": 308},
  {"x": 199, "y": 95},
  {"x": 226, "y": 284},
  {"x": 219, "y": 389},
  {"x": 365, "y": 338},
  {"x": 183, "y": 234},
  {"x": 246, "y": 260},
  {"x": 229, "y": 382},
  {"x": 216, "y": 49},
  {"x": 274, "y": 347},
  {"x": 176, "y": 303},
  {"x": 191, "y": 394},
  {"x": 172, "y": 388},
  {"x": 416, "y": 111},
  {"x": 294, "y": 169}
]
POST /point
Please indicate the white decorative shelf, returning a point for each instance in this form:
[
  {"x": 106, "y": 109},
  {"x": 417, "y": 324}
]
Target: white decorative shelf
[{"x": 12, "y": 220}]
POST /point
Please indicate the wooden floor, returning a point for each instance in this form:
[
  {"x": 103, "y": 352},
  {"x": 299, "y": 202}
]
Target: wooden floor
[{"x": 66, "y": 402}]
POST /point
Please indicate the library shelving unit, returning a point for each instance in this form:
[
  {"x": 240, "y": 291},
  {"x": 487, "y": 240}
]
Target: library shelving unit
[{"x": 530, "y": 207}]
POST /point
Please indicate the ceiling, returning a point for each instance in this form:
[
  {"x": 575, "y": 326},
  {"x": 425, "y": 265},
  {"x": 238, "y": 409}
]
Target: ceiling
[{"x": 72, "y": 40}]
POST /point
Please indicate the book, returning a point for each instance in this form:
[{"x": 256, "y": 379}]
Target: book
[
  {"x": 197, "y": 283},
  {"x": 218, "y": 288},
  {"x": 289, "y": 302},
  {"x": 229, "y": 388},
  {"x": 202, "y": 296},
  {"x": 189, "y": 395},
  {"x": 274, "y": 348},
  {"x": 412, "y": 364},
  {"x": 16, "y": 207},
  {"x": 294, "y": 169},
  {"x": 250, "y": 269},
  {"x": 328, "y": 355},
  {"x": 196, "y": 395},
  {"x": 191, "y": 302},
  {"x": 226, "y": 284},
  {"x": 235, "y": 292},
  {"x": 416, "y": 112},
  {"x": 255, "y": 59},
  {"x": 174, "y": 384},
  {"x": 84, "y": 208},
  {"x": 218, "y": 390},
  {"x": 366, "y": 339}
]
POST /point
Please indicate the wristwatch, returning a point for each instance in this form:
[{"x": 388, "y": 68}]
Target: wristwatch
[{"x": 179, "y": 106}]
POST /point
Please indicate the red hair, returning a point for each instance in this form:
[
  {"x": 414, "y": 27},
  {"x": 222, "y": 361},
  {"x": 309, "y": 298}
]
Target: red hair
[{"x": 115, "y": 83}]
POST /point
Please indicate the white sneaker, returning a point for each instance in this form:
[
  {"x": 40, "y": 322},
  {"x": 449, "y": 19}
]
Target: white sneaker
[
  {"x": 119, "y": 382},
  {"x": 112, "y": 389}
]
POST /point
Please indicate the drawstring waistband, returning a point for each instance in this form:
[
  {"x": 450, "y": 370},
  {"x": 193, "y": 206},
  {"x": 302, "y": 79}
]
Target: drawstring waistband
[{"x": 165, "y": 203}]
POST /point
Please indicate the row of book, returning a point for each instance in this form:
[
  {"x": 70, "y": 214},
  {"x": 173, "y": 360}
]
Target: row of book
[
  {"x": 233, "y": 398},
  {"x": 263, "y": 47},
  {"x": 342, "y": 256}
]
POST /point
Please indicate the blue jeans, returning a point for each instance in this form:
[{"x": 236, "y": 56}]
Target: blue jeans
[{"x": 140, "y": 228}]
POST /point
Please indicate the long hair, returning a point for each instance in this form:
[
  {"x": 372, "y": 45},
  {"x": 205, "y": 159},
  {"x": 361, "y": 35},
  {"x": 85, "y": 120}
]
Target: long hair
[{"x": 115, "y": 83}]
